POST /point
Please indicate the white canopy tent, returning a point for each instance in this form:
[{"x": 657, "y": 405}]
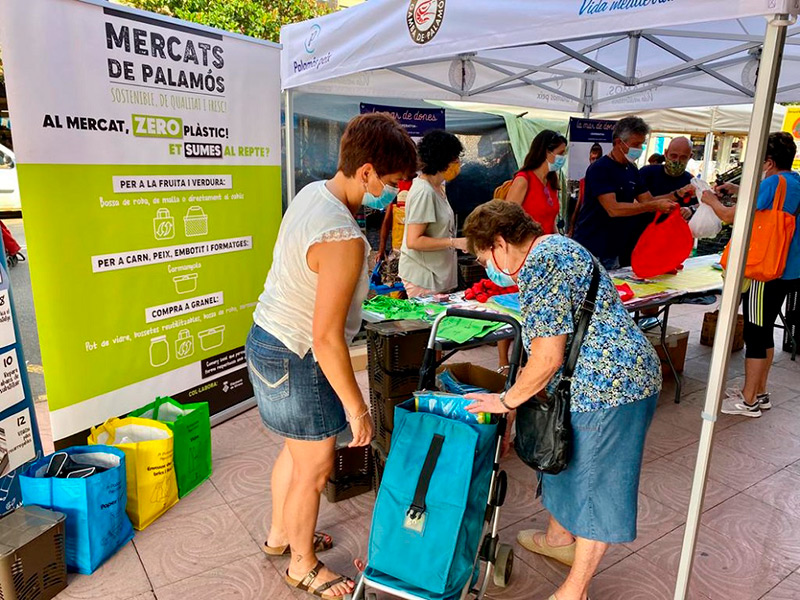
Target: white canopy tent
[
  {"x": 585, "y": 56},
  {"x": 552, "y": 54}
]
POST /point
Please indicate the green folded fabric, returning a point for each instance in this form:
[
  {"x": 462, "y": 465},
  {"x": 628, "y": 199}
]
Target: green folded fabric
[
  {"x": 396, "y": 309},
  {"x": 454, "y": 329},
  {"x": 459, "y": 330}
]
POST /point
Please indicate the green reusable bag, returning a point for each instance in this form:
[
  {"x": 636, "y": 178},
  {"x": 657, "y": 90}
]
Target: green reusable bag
[{"x": 191, "y": 426}]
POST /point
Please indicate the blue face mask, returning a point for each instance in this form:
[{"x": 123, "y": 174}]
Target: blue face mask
[
  {"x": 382, "y": 201},
  {"x": 634, "y": 154},
  {"x": 559, "y": 163},
  {"x": 497, "y": 276}
]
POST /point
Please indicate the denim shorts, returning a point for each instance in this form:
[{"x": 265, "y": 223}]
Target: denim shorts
[
  {"x": 294, "y": 397},
  {"x": 596, "y": 497}
]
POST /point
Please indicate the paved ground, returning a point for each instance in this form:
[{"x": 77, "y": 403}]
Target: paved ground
[{"x": 208, "y": 546}]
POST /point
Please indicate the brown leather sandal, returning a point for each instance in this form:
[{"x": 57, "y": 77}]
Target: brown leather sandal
[
  {"x": 305, "y": 584},
  {"x": 322, "y": 542}
]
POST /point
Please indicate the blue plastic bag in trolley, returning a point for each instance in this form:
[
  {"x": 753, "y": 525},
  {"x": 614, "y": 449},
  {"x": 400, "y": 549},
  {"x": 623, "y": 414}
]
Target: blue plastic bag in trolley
[{"x": 431, "y": 505}]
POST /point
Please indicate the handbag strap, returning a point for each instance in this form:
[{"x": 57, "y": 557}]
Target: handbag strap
[
  {"x": 585, "y": 311},
  {"x": 780, "y": 194}
]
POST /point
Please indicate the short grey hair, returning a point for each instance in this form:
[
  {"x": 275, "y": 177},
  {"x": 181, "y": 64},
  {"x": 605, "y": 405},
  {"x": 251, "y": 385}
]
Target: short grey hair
[{"x": 629, "y": 126}]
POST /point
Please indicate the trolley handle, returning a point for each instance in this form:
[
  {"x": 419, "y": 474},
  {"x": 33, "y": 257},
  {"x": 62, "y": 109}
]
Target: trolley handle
[{"x": 429, "y": 361}]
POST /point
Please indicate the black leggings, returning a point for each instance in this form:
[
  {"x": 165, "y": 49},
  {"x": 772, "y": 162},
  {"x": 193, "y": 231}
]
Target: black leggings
[{"x": 762, "y": 303}]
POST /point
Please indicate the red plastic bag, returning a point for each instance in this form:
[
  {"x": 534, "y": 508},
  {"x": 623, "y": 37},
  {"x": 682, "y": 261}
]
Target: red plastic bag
[
  {"x": 625, "y": 292},
  {"x": 663, "y": 246}
]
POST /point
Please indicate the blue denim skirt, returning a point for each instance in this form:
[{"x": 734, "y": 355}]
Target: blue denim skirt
[
  {"x": 294, "y": 397},
  {"x": 596, "y": 497}
]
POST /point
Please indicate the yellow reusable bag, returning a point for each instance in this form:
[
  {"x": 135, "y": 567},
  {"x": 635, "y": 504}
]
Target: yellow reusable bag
[{"x": 149, "y": 465}]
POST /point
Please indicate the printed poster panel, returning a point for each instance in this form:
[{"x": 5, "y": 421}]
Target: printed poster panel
[
  {"x": 19, "y": 434},
  {"x": 585, "y": 134},
  {"x": 149, "y": 156},
  {"x": 791, "y": 123},
  {"x": 416, "y": 121}
]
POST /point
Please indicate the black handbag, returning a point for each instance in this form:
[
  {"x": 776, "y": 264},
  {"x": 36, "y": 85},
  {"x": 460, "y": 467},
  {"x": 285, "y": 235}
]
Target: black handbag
[{"x": 544, "y": 435}]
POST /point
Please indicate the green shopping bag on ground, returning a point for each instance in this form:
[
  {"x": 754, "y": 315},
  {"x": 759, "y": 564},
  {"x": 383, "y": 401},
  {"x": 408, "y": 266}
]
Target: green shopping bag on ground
[{"x": 191, "y": 426}]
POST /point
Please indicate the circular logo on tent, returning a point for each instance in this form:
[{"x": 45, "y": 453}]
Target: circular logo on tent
[
  {"x": 424, "y": 19},
  {"x": 313, "y": 37},
  {"x": 750, "y": 73},
  {"x": 796, "y": 129},
  {"x": 462, "y": 74}
]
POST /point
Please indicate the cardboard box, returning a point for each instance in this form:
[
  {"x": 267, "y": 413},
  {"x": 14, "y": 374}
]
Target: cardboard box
[
  {"x": 358, "y": 357},
  {"x": 475, "y": 375},
  {"x": 710, "y": 330},
  {"x": 32, "y": 560},
  {"x": 677, "y": 341}
]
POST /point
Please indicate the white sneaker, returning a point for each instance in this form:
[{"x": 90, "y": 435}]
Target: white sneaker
[
  {"x": 764, "y": 401},
  {"x": 735, "y": 405}
]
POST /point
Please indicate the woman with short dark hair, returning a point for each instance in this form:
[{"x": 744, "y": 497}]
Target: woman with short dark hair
[
  {"x": 615, "y": 386},
  {"x": 428, "y": 261},
  {"x": 297, "y": 351}
]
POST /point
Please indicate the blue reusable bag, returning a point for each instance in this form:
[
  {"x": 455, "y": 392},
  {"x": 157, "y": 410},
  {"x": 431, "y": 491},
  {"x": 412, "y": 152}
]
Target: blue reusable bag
[
  {"x": 97, "y": 524},
  {"x": 438, "y": 553}
]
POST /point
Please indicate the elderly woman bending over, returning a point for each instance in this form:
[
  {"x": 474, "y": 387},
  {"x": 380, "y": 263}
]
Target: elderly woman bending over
[{"x": 615, "y": 387}]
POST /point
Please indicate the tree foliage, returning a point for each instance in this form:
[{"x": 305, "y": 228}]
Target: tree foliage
[{"x": 257, "y": 18}]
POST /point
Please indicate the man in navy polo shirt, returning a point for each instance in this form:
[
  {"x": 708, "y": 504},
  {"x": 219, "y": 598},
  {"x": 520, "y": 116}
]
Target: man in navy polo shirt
[{"x": 615, "y": 195}]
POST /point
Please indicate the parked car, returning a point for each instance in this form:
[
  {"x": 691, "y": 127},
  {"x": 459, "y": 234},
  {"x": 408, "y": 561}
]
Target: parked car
[{"x": 9, "y": 185}]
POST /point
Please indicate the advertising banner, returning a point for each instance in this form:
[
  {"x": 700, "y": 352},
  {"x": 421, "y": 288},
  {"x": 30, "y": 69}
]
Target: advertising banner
[
  {"x": 585, "y": 134},
  {"x": 149, "y": 165},
  {"x": 19, "y": 434},
  {"x": 416, "y": 121},
  {"x": 791, "y": 123}
]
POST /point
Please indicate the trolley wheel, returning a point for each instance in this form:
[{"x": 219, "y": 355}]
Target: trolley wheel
[{"x": 503, "y": 565}]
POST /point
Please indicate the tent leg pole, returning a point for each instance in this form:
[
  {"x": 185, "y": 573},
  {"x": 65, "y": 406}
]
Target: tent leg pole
[
  {"x": 288, "y": 111},
  {"x": 766, "y": 89},
  {"x": 708, "y": 155}
]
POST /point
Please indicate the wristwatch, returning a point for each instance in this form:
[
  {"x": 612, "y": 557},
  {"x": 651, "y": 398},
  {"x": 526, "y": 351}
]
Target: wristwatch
[
  {"x": 678, "y": 197},
  {"x": 503, "y": 401}
]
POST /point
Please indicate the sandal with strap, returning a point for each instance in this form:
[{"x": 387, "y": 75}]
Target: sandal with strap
[
  {"x": 322, "y": 542},
  {"x": 305, "y": 584}
]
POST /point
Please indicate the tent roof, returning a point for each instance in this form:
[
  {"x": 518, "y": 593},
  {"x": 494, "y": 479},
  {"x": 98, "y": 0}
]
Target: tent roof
[{"x": 609, "y": 55}]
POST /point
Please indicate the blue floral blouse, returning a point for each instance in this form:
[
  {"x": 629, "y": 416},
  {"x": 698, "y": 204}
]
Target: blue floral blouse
[{"x": 617, "y": 364}]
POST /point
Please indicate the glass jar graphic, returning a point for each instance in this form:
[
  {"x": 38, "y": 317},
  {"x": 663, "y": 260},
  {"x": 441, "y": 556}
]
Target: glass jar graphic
[{"x": 159, "y": 351}]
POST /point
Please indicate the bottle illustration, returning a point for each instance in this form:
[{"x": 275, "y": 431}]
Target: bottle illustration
[
  {"x": 164, "y": 225},
  {"x": 159, "y": 351}
]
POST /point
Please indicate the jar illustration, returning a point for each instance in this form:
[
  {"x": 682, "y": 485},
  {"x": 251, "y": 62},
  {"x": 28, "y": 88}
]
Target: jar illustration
[
  {"x": 159, "y": 351},
  {"x": 184, "y": 345}
]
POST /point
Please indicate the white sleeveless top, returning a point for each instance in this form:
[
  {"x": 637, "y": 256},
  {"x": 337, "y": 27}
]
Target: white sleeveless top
[{"x": 286, "y": 306}]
